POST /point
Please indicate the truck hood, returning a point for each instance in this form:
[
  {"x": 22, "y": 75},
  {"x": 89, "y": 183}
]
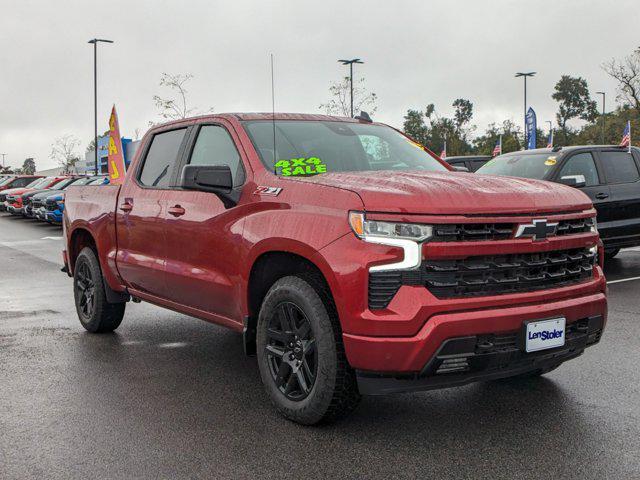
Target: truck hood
[{"x": 454, "y": 193}]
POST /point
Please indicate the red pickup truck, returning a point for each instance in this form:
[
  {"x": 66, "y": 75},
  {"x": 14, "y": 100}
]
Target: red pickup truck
[{"x": 352, "y": 260}]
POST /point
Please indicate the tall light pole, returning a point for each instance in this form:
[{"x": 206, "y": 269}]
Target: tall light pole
[
  {"x": 550, "y": 130},
  {"x": 525, "y": 75},
  {"x": 604, "y": 95},
  {"x": 95, "y": 42},
  {"x": 350, "y": 63}
]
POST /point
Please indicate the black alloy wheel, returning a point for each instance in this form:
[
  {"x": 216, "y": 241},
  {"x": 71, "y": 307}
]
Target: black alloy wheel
[
  {"x": 291, "y": 351},
  {"x": 85, "y": 291}
]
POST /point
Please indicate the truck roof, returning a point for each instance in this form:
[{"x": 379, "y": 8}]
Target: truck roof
[{"x": 242, "y": 116}]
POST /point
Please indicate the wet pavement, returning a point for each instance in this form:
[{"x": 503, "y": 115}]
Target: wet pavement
[{"x": 169, "y": 396}]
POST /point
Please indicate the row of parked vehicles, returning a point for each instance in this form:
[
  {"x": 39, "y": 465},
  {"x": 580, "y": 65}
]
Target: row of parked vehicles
[{"x": 40, "y": 197}]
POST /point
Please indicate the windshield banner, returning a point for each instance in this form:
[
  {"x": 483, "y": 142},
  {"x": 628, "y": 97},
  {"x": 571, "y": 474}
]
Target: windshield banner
[
  {"x": 116, "y": 156},
  {"x": 531, "y": 129}
]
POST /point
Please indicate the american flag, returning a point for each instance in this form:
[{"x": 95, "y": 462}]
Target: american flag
[
  {"x": 626, "y": 136},
  {"x": 443, "y": 154},
  {"x": 550, "y": 140},
  {"x": 497, "y": 150}
]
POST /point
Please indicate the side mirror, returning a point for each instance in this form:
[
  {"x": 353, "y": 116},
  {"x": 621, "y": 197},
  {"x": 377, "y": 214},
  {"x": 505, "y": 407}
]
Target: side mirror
[
  {"x": 460, "y": 169},
  {"x": 211, "y": 178},
  {"x": 576, "y": 181}
]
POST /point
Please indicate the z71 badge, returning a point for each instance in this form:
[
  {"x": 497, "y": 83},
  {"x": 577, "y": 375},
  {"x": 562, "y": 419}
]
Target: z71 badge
[{"x": 273, "y": 191}]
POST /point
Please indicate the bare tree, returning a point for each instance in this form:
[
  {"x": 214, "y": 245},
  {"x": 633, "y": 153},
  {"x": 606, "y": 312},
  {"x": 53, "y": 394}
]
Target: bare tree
[
  {"x": 340, "y": 101},
  {"x": 177, "y": 107},
  {"x": 627, "y": 73},
  {"x": 63, "y": 151}
]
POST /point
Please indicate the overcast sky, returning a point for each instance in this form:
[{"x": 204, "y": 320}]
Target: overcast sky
[{"x": 416, "y": 52}]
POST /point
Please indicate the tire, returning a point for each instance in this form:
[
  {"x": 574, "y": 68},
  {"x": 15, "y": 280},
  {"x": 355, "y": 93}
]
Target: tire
[
  {"x": 331, "y": 389},
  {"x": 94, "y": 312},
  {"x": 609, "y": 254}
]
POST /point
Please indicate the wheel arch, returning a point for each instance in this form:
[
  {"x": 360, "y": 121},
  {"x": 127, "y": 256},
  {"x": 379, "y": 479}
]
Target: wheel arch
[{"x": 267, "y": 268}]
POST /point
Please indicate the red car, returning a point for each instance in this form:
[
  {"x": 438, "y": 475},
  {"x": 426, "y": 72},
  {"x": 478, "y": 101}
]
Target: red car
[
  {"x": 352, "y": 260},
  {"x": 11, "y": 199},
  {"x": 17, "y": 181}
]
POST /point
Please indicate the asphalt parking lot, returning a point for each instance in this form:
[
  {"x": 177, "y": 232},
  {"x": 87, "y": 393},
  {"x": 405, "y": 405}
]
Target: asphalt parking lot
[{"x": 168, "y": 396}]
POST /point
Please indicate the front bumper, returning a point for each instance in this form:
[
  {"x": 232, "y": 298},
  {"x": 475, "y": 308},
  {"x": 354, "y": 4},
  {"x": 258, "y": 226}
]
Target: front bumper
[
  {"x": 54, "y": 217},
  {"x": 14, "y": 210},
  {"x": 411, "y": 355},
  {"x": 464, "y": 360}
]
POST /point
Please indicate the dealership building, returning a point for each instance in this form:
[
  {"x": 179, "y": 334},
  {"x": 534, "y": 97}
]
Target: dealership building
[{"x": 87, "y": 167}]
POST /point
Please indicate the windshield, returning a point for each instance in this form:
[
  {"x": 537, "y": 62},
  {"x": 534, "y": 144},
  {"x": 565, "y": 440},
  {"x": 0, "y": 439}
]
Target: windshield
[
  {"x": 535, "y": 165},
  {"x": 62, "y": 184},
  {"x": 36, "y": 183},
  {"x": 311, "y": 147},
  {"x": 5, "y": 180},
  {"x": 99, "y": 181}
]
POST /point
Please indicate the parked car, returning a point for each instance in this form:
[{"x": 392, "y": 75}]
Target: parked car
[
  {"x": 609, "y": 175},
  {"x": 28, "y": 198},
  {"x": 18, "y": 181},
  {"x": 18, "y": 185},
  {"x": 14, "y": 197},
  {"x": 470, "y": 162},
  {"x": 54, "y": 204},
  {"x": 351, "y": 261}
]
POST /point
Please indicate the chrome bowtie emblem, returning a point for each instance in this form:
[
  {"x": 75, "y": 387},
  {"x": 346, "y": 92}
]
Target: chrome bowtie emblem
[{"x": 539, "y": 230}]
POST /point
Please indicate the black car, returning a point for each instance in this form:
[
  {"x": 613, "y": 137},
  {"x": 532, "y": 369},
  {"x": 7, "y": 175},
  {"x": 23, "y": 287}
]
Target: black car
[
  {"x": 609, "y": 175},
  {"x": 470, "y": 162}
]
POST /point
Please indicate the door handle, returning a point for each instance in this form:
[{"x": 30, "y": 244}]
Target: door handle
[
  {"x": 176, "y": 211},
  {"x": 126, "y": 207},
  {"x": 602, "y": 195}
]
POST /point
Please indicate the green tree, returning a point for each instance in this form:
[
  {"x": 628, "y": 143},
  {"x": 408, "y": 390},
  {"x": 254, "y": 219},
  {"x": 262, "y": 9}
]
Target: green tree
[
  {"x": 432, "y": 130},
  {"x": 415, "y": 126},
  {"x": 28, "y": 166},
  {"x": 572, "y": 95},
  {"x": 511, "y": 138}
]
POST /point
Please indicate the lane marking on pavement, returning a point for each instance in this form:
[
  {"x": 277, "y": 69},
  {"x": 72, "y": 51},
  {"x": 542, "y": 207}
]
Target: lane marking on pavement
[
  {"x": 173, "y": 345},
  {"x": 623, "y": 280},
  {"x": 51, "y": 238}
]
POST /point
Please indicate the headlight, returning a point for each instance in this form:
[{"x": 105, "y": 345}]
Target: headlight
[
  {"x": 372, "y": 228},
  {"x": 403, "y": 235}
]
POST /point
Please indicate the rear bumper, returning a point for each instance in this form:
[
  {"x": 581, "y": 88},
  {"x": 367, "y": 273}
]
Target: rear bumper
[
  {"x": 464, "y": 360},
  {"x": 411, "y": 355}
]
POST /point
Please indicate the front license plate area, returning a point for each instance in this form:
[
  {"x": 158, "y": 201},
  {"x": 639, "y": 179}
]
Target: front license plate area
[{"x": 544, "y": 334}]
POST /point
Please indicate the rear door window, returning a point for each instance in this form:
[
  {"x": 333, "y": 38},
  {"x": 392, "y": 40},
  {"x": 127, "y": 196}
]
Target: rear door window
[
  {"x": 161, "y": 158},
  {"x": 619, "y": 167},
  {"x": 581, "y": 164}
]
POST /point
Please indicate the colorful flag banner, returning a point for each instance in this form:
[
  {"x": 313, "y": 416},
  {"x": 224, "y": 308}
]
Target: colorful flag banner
[
  {"x": 550, "y": 140},
  {"x": 497, "y": 150},
  {"x": 443, "y": 154},
  {"x": 116, "y": 155},
  {"x": 531, "y": 129},
  {"x": 626, "y": 136}
]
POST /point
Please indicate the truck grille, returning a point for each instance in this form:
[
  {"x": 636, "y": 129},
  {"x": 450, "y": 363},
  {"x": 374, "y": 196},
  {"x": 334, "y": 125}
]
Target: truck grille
[
  {"x": 469, "y": 232},
  {"x": 487, "y": 275},
  {"x": 36, "y": 203},
  {"x": 494, "y": 275}
]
